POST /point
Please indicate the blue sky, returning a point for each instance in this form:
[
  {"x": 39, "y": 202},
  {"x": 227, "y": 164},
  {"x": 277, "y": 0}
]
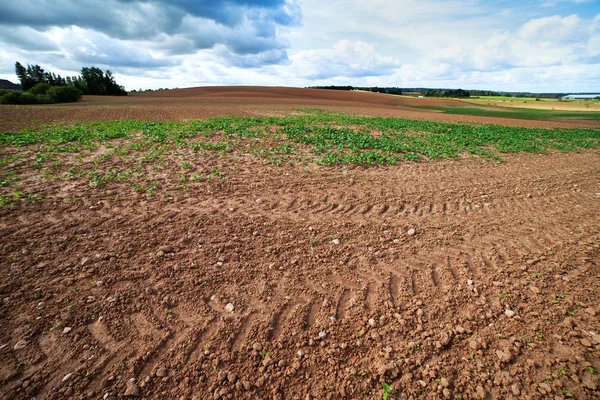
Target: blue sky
[{"x": 540, "y": 46}]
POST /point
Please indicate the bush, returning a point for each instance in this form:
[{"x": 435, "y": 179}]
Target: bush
[
  {"x": 18, "y": 98},
  {"x": 10, "y": 98},
  {"x": 40, "y": 88},
  {"x": 42, "y": 93},
  {"x": 28, "y": 98},
  {"x": 44, "y": 99},
  {"x": 64, "y": 94}
]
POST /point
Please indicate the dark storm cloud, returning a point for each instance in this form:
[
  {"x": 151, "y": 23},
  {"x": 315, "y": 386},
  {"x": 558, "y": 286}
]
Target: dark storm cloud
[
  {"x": 26, "y": 39},
  {"x": 230, "y": 22}
]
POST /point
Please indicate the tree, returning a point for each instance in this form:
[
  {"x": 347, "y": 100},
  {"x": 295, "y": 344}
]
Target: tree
[
  {"x": 27, "y": 81},
  {"x": 91, "y": 81},
  {"x": 94, "y": 81},
  {"x": 34, "y": 74}
]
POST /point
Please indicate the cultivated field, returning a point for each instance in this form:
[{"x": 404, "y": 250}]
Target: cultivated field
[
  {"x": 287, "y": 243},
  {"x": 541, "y": 104}
]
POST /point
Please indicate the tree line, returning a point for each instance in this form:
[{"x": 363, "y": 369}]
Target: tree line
[
  {"x": 387, "y": 90},
  {"x": 457, "y": 94},
  {"x": 43, "y": 87},
  {"x": 440, "y": 92}
]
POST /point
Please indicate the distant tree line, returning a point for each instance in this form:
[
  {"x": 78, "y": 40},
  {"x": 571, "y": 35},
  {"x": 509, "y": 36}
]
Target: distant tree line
[
  {"x": 457, "y": 94},
  {"x": 387, "y": 90},
  {"x": 441, "y": 92},
  {"x": 41, "y": 87}
]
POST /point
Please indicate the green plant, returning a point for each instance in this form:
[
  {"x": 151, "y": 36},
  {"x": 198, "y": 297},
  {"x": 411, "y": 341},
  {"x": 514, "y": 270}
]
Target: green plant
[
  {"x": 64, "y": 94},
  {"x": 387, "y": 390},
  {"x": 40, "y": 88},
  {"x": 566, "y": 393}
]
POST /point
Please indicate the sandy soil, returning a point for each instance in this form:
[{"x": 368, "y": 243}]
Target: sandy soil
[
  {"x": 195, "y": 103},
  {"x": 543, "y": 105},
  {"x": 453, "y": 279}
]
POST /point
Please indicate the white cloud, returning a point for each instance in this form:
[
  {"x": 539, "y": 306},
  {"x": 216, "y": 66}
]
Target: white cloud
[
  {"x": 442, "y": 43},
  {"x": 554, "y": 3},
  {"x": 345, "y": 59}
]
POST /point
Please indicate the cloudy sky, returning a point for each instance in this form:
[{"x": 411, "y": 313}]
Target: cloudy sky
[{"x": 525, "y": 45}]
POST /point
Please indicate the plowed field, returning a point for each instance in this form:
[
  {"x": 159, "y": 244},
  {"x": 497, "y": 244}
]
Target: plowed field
[
  {"x": 246, "y": 101},
  {"x": 222, "y": 274}
]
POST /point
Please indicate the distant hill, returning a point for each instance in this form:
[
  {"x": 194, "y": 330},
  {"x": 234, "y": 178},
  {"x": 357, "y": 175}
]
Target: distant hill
[{"x": 4, "y": 84}]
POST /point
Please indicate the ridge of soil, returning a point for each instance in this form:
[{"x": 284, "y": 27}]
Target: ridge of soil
[{"x": 308, "y": 282}]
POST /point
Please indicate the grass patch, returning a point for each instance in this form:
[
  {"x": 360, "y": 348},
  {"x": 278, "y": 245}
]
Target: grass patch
[
  {"x": 327, "y": 138},
  {"x": 516, "y": 113}
]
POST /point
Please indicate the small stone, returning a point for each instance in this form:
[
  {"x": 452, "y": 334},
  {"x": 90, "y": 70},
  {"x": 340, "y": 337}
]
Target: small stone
[
  {"x": 67, "y": 377},
  {"x": 535, "y": 289},
  {"x": 132, "y": 389},
  {"x": 591, "y": 311},
  {"x": 336, "y": 242},
  {"x": 167, "y": 249},
  {"x": 588, "y": 382},
  {"x": 475, "y": 345},
  {"x": 447, "y": 394},
  {"x": 86, "y": 261},
  {"x": 258, "y": 201},
  {"x": 372, "y": 323},
  {"x": 445, "y": 338},
  {"x": 586, "y": 342},
  {"x": 545, "y": 387},
  {"x": 150, "y": 291},
  {"x": 229, "y": 307},
  {"x": 231, "y": 377},
  {"x": 100, "y": 283},
  {"x": 21, "y": 344},
  {"x": 444, "y": 382},
  {"x": 300, "y": 353},
  {"x": 509, "y": 313},
  {"x": 411, "y": 232},
  {"x": 515, "y": 389},
  {"x": 422, "y": 383},
  {"x": 470, "y": 282},
  {"x": 90, "y": 299},
  {"x": 67, "y": 330},
  {"x": 332, "y": 318},
  {"x": 481, "y": 392},
  {"x": 322, "y": 335},
  {"x": 257, "y": 346},
  {"x": 161, "y": 372},
  {"x": 267, "y": 361},
  {"x": 504, "y": 356}
]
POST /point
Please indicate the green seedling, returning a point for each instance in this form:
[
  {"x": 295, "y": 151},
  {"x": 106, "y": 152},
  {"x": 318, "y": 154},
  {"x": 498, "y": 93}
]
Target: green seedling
[{"x": 387, "y": 390}]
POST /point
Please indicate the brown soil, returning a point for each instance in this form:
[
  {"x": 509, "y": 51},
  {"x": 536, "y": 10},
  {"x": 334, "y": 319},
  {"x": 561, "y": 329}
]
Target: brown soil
[
  {"x": 144, "y": 282},
  {"x": 195, "y": 103},
  {"x": 496, "y": 295}
]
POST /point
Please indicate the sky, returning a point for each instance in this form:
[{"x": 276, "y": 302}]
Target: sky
[{"x": 505, "y": 45}]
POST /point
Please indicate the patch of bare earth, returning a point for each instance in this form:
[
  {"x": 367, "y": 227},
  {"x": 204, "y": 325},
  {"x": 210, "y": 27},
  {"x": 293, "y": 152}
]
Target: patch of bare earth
[
  {"x": 211, "y": 102},
  {"x": 441, "y": 280}
]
